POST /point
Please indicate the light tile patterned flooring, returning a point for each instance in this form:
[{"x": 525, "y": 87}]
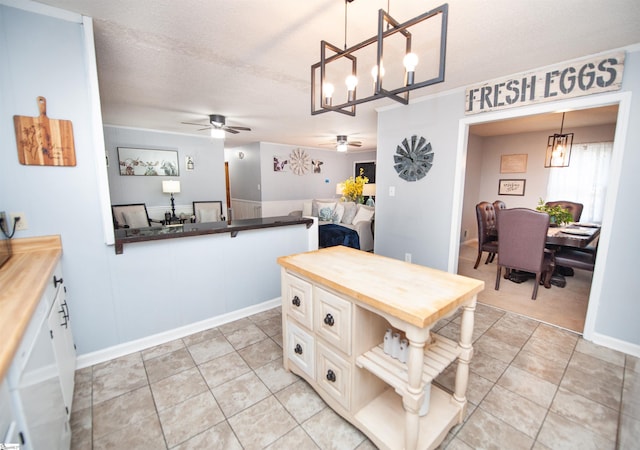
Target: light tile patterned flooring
[{"x": 532, "y": 386}]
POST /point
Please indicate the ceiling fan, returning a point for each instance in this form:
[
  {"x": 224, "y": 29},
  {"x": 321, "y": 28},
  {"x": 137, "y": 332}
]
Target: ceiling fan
[
  {"x": 342, "y": 143},
  {"x": 217, "y": 125}
]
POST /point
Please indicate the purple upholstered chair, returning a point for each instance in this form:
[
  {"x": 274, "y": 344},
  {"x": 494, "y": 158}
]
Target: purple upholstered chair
[{"x": 521, "y": 246}]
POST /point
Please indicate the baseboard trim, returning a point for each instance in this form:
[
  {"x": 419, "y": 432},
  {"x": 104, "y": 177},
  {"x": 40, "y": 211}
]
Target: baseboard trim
[
  {"x": 119, "y": 350},
  {"x": 616, "y": 344}
]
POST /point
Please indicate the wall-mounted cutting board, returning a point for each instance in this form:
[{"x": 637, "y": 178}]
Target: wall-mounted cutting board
[{"x": 43, "y": 141}]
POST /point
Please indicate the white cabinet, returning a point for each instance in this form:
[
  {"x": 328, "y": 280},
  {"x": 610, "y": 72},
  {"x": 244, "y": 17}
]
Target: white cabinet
[
  {"x": 40, "y": 378},
  {"x": 354, "y": 298}
]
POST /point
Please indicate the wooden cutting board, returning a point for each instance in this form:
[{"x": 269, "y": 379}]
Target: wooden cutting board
[{"x": 43, "y": 141}]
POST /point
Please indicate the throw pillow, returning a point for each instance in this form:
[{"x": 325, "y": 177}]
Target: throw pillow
[
  {"x": 338, "y": 212},
  {"x": 350, "y": 210},
  {"x": 365, "y": 213},
  {"x": 209, "y": 215},
  {"x": 135, "y": 219},
  {"x": 328, "y": 207}
]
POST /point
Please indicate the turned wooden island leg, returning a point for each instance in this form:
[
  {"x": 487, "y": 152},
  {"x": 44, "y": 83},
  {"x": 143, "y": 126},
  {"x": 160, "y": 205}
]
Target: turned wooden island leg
[
  {"x": 415, "y": 394},
  {"x": 462, "y": 373}
]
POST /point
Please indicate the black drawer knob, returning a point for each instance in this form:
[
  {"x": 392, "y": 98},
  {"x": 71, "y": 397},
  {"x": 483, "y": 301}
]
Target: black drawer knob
[
  {"x": 298, "y": 349},
  {"x": 295, "y": 301},
  {"x": 328, "y": 319},
  {"x": 331, "y": 376}
]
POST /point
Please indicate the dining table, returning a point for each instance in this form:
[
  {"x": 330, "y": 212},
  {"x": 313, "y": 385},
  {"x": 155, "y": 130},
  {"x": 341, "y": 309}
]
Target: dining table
[{"x": 576, "y": 235}]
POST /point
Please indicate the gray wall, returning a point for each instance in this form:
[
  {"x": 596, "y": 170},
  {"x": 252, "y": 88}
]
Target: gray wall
[
  {"x": 205, "y": 182},
  {"x": 153, "y": 287},
  {"x": 418, "y": 219},
  {"x": 245, "y": 174}
]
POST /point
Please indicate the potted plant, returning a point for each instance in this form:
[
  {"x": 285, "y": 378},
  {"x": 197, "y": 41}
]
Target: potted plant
[
  {"x": 557, "y": 214},
  {"x": 353, "y": 186}
]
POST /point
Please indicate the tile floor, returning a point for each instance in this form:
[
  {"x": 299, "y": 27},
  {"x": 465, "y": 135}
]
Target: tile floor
[{"x": 532, "y": 386}]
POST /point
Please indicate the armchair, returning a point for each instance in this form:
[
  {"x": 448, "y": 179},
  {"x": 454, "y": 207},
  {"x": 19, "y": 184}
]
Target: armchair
[
  {"x": 208, "y": 211},
  {"x": 133, "y": 215}
]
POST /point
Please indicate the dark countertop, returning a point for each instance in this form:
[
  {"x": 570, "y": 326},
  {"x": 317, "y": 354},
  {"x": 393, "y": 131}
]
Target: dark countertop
[{"x": 130, "y": 235}]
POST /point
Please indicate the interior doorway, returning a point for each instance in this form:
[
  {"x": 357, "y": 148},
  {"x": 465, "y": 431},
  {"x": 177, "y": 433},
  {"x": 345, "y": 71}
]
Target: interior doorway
[{"x": 622, "y": 99}]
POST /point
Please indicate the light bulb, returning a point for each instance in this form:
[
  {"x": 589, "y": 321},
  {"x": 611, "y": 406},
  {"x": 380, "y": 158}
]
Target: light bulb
[
  {"x": 374, "y": 72},
  {"x": 217, "y": 133},
  {"x": 410, "y": 62},
  {"x": 351, "y": 81},
  {"x": 342, "y": 147},
  {"x": 328, "y": 89}
]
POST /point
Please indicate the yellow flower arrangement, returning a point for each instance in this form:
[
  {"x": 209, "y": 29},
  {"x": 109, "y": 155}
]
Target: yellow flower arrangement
[{"x": 352, "y": 188}]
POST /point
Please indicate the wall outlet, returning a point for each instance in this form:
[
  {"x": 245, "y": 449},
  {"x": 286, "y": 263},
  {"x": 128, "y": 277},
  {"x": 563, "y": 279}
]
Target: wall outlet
[
  {"x": 407, "y": 257},
  {"x": 20, "y": 224}
]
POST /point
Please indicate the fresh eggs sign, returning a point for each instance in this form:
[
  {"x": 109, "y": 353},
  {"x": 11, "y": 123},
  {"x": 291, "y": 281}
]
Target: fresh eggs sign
[{"x": 567, "y": 80}]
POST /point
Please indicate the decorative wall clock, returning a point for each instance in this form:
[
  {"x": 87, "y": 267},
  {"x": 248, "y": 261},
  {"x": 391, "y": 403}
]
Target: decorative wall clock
[
  {"x": 413, "y": 158},
  {"x": 300, "y": 161}
]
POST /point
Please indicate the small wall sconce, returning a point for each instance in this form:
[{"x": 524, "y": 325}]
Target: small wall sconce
[
  {"x": 240, "y": 155},
  {"x": 189, "y": 163}
]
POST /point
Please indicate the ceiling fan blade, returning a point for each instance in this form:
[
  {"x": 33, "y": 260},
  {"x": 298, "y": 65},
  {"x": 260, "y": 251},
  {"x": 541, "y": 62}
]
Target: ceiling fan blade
[
  {"x": 202, "y": 129},
  {"x": 230, "y": 130},
  {"x": 355, "y": 143},
  {"x": 193, "y": 123},
  {"x": 240, "y": 128}
]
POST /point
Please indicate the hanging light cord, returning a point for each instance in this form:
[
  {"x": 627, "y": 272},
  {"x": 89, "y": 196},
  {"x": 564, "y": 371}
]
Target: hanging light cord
[
  {"x": 562, "y": 124},
  {"x": 345, "y": 23}
]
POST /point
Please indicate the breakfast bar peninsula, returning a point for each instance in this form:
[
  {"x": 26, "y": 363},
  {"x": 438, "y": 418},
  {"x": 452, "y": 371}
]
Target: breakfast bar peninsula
[{"x": 337, "y": 305}]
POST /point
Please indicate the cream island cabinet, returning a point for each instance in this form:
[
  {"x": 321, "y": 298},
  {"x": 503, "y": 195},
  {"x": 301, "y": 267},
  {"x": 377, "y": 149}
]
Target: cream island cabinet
[{"x": 337, "y": 305}]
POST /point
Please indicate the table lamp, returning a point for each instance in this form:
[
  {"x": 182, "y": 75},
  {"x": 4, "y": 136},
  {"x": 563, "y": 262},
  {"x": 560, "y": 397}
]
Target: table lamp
[
  {"x": 171, "y": 187},
  {"x": 369, "y": 189}
]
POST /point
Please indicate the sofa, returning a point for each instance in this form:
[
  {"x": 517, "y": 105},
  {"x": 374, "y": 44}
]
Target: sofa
[{"x": 354, "y": 216}]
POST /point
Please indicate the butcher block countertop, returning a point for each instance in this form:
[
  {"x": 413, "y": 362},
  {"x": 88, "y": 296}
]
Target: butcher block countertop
[
  {"x": 415, "y": 294},
  {"x": 23, "y": 279}
]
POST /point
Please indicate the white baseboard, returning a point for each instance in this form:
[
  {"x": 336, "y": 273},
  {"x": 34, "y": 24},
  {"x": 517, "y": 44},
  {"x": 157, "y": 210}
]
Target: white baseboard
[
  {"x": 117, "y": 351},
  {"x": 616, "y": 344}
]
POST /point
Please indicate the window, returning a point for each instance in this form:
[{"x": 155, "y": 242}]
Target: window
[{"x": 585, "y": 180}]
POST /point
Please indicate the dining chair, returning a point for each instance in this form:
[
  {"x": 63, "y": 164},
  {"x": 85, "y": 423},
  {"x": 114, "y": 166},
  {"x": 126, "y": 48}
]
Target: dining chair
[
  {"x": 487, "y": 234},
  {"x": 574, "y": 208},
  {"x": 521, "y": 246},
  {"x": 208, "y": 211},
  {"x": 132, "y": 215},
  {"x": 499, "y": 204}
]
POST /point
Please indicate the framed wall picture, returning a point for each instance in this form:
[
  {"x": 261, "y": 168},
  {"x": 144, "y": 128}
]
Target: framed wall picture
[
  {"x": 147, "y": 162},
  {"x": 513, "y": 163},
  {"x": 511, "y": 187}
]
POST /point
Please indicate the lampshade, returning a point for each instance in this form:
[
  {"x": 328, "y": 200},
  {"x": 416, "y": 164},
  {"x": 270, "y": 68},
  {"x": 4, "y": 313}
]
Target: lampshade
[
  {"x": 339, "y": 188},
  {"x": 171, "y": 186},
  {"x": 369, "y": 189}
]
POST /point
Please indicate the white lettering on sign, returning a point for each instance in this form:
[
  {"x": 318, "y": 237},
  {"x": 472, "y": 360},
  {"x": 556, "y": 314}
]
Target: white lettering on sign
[{"x": 567, "y": 80}]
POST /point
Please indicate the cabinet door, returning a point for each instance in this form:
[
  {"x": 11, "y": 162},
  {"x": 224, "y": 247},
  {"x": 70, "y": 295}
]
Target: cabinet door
[{"x": 63, "y": 347}]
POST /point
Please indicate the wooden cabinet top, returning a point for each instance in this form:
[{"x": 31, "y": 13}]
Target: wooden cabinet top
[
  {"x": 23, "y": 279},
  {"x": 415, "y": 294}
]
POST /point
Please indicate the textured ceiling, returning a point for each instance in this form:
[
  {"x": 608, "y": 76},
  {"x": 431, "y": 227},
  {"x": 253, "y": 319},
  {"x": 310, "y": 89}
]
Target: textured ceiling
[{"x": 163, "y": 62}]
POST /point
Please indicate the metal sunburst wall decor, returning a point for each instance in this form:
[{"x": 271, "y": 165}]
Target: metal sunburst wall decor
[{"x": 413, "y": 158}]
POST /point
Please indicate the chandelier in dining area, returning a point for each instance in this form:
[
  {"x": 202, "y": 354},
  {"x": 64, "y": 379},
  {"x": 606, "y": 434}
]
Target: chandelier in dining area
[{"x": 402, "y": 57}]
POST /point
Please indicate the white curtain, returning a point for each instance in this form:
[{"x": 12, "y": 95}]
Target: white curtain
[{"x": 585, "y": 180}]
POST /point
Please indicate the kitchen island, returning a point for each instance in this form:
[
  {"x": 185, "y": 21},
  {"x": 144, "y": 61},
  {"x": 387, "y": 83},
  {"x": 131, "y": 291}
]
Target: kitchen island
[{"x": 338, "y": 303}]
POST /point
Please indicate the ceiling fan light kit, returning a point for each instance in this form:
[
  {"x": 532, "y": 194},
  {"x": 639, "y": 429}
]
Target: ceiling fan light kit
[
  {"x": 217, "y": 126},
  {"x": 335, "y": 63}
]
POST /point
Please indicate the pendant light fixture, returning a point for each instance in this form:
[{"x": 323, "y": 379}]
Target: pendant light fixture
[
  {"x": 559, "y": 148},
  {"x": 336, "y": 63}
]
